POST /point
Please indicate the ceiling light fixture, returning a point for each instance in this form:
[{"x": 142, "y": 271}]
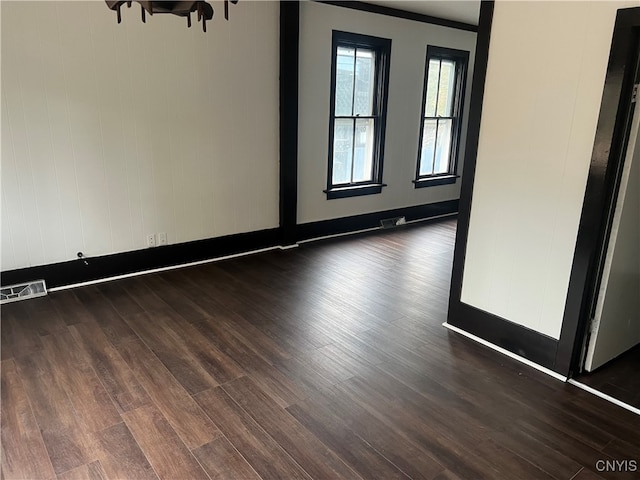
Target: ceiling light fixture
[{"x": 181, "y": 9}]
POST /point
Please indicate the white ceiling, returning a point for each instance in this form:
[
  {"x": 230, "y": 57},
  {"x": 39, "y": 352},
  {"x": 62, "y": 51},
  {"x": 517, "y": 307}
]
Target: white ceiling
[{"x": 466, "y": 11}]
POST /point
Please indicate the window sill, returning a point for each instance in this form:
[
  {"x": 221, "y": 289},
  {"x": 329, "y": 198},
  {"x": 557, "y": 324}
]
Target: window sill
[
  {"x": 354, "y": 190},
  {"x": 434, "y": 181}
]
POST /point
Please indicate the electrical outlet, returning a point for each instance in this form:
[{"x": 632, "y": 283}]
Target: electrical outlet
[
  {"x": 151, "y": 240},
  {"x": 162, "y": 239}
]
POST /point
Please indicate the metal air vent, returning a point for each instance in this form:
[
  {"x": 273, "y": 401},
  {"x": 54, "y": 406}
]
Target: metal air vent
[{"x": 22, "y": 291}]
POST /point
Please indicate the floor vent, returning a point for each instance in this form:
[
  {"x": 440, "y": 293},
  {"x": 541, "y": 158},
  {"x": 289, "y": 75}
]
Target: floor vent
[
  {"x": 392, "y": 222},
  {"x": 23, "y": 291}
]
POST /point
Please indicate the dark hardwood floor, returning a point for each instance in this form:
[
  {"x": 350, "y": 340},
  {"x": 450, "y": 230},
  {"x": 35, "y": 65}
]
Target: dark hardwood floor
[
  {"x": 326, "y": 361},
  {"x": 619, "y": 378}
]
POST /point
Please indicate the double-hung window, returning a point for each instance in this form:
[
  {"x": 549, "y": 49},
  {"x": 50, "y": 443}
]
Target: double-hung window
[
  {"x": 359, "y": 86},
  {"x": 444, "y": 85}
]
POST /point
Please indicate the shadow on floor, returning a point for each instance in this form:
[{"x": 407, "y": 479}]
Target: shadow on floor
[{"x": 619, "y": 378}]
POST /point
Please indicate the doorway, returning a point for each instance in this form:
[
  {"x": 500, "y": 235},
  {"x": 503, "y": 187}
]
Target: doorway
[
  {"x": 612, "y": 350},
  {"x": 609, "y": 360},
  {"x": 615, "y": 327}
]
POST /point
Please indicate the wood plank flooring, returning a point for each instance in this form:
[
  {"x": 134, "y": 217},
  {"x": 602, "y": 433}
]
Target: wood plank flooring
[
  {"x": 620, "y": 378},
  {"x": 326, "y": 361}
]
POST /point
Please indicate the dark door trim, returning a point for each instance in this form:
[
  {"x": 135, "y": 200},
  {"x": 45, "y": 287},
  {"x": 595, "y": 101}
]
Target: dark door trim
[
  {"x": 471, "y": 148},
  {"x": 289, "y": 63},
  {"x": 601, "y": 191},
  {"x": 564, "y": 354}
]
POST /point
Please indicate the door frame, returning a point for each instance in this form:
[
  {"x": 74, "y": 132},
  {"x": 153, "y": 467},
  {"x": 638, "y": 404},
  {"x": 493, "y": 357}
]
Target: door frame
[
  {"x": 606, "y": 323},
  {"x": 290, "y": 231},
  {"x": 601, "y": 191}
]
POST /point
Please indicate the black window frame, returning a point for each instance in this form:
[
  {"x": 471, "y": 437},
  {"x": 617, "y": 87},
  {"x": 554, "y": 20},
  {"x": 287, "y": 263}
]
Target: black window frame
[
  {"x": 461, "y": 57},
  {"x": 382, "y": 49}
]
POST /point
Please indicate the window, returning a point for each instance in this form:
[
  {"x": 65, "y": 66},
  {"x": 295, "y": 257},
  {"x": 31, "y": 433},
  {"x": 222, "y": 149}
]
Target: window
[
  {"x": 444, "y": 83},
  {"x": 359, "y": 86}
]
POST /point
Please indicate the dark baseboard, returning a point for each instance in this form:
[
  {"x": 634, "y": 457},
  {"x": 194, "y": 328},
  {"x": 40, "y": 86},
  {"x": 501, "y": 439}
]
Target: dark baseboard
[
  {"x": 522, "y": 341},
  {"x": 335, "y": 226},
  {"x": 76, "y": 271},
  {"x": 106, "y": 266}
]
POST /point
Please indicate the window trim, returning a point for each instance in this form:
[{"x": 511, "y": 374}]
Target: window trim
[
  {"x": 382, "y": 47},
  {"x": 461, "y": 57}
]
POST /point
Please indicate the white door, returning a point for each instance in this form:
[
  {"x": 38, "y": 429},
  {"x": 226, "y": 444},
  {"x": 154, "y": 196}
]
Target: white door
[{"x": 616, "y": 323}]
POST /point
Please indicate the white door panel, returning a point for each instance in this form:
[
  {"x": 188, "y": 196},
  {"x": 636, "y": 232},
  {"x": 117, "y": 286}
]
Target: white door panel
[{"x": 616, "y": 326}]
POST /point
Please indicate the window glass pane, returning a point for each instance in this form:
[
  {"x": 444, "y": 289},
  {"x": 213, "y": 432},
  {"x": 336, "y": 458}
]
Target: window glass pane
[
  {"x": 342, "y": 150},
  {"x": 365, "y": 71},
  {"x": 446, "y": 89},
  {"x": 428, "y": 147},
  {"x": 344, "y": 80},
  {"x": 363, "y": 151},
  {"x": 432, "y": 88},
  {"x": 443, "y": 146}
]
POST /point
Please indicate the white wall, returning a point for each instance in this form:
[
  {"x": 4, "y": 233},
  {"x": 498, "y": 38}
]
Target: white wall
[
  {"x": 547, "y": 63},
  {"x": 408, "y": 52},
  {"x": 111, "y": 132}
]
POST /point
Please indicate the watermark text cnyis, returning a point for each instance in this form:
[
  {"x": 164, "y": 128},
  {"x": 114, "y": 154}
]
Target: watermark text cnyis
[{"x": 628, "y": 465}]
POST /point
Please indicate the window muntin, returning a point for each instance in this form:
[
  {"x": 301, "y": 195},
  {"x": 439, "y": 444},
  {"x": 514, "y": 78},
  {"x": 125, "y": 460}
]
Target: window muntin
[
  {"x": 442, "y": 108},
  {"x": 358, "y": 107}
]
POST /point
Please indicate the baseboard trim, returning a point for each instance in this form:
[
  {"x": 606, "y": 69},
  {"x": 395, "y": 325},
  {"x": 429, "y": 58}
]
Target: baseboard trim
[
  {"x": 75, "y": 273},
  {"x": 371, "y": 221},
  {"x": 522, "y": 341},
  {"x": 337, "y": 235},
  {"x": 503, "y": 351},
  {"x": 604, "y": 396},
  {"x": 163, "y": 269},
  {"x": 121, "y": 265}
]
